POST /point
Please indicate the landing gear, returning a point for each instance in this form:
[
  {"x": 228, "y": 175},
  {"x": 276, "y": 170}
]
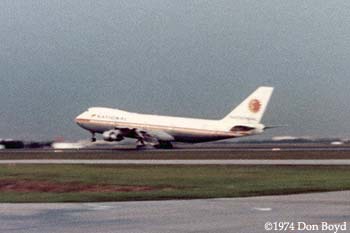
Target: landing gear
[
  {"x": 140, "y": 144},
  {"x": 164, "y": 145},
  {"x": 93, "y": 137}
]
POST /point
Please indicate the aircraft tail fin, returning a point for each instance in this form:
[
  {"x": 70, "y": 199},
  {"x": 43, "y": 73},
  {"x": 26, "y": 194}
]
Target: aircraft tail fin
[{"x": 252, "y": 109}]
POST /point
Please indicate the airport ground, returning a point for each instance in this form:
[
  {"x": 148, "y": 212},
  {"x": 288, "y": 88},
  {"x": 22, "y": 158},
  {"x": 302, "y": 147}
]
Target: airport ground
[
  {"x": 129, "y": 174},
  {"x": 189, "y": 152},
  {"x": 98, "y": 185},
  {"x": 94, "y": 183},
  {"x": 242, "y": 215}
]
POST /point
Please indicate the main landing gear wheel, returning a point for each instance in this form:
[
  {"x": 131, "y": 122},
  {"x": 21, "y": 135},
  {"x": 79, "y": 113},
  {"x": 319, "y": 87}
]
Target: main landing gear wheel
[
  {"x": 93, "y": 137},
  {"x": 140, "y": 144},
  {"x": 164, "y": 145}
]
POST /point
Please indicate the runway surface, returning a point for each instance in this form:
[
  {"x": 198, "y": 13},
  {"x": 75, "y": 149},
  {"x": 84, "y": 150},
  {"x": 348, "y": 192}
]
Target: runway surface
[
  {"x": 195, "y": 148},
  {"x": 241, "y": 215},
  {"x": 337, "y": 162},
  {"x": 227, "y": 152}
]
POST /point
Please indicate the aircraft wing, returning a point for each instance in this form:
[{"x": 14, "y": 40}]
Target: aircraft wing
[
  {"x": 160, "y": 135},
  {"x": 152, "y": 136}
]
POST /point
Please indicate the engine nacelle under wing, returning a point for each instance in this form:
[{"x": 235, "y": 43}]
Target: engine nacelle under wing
[{"x": 113, "y": 135}]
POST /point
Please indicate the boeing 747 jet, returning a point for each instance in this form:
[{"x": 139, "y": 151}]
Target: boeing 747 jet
[{"x": 161, "y": 131}]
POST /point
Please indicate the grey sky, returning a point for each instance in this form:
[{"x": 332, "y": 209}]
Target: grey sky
[{"x": 184, "y": 58}]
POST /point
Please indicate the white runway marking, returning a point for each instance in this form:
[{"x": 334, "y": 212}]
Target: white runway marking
[
  {"x": 263, "y": 209},
  {"x": 184, "y": 162},
  {"x": 97, "y": 206}
]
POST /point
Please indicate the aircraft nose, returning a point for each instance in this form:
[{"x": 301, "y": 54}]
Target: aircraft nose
[
  {"x": 76, "y": 120},
  {"x": 79, "y": 118}
]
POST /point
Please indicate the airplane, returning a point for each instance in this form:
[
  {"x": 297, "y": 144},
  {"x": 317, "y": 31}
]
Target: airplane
[{"x": 161, "y": 131}]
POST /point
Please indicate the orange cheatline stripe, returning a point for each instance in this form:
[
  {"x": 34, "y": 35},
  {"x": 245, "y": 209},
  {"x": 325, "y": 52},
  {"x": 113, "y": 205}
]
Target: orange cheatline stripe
[{"x": 159, "y": 127}]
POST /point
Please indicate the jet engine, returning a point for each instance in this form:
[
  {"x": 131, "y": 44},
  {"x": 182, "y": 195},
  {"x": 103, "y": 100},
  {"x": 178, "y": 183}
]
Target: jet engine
[{"x": 112, "y": 135}]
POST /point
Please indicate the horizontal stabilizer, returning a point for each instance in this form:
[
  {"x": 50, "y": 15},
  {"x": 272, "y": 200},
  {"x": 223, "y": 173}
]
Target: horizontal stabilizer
[{"x": 274, "y": 126}]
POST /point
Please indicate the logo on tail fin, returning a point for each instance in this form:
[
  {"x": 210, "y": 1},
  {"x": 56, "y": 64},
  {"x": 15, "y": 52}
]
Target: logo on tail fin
[
  {"x": 252, "y": 109},
  {"x": 254, "y": 106}
]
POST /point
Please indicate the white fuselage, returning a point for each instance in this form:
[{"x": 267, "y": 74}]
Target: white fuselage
[{"x": 99, "y": 120}]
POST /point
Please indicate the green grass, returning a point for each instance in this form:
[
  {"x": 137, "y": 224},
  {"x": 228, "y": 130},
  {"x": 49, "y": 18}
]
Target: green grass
[{"x": 175, "y": 182}]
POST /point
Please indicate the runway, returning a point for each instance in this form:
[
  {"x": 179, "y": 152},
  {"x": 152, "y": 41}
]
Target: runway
[
  {"x": 197, "y": 152},
  {"x": 194, "y": 148},
  {"x": 244, "y": 215},
  {"x": 334, "y": 162}
]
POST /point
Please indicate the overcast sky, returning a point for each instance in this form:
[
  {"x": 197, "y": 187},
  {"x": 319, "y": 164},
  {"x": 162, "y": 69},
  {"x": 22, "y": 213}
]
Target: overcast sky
[{"x": 176, "y": 57}]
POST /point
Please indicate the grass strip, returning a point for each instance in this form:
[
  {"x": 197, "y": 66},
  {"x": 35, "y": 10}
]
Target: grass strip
[{"x": 168, "y": 181}]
